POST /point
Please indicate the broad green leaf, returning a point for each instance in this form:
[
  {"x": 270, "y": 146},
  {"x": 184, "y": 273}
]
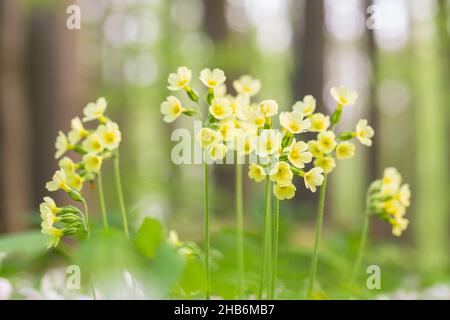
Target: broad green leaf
[
  {"x": 149, "y": 237},
  {"x": 30, "y": 242}
]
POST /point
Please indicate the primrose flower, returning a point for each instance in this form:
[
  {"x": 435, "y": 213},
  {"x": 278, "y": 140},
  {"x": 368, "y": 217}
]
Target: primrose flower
[
  {"x": 208, "y": 137},
  {"x": 284, "y": 191},
  {"x": 281, "y": 173},
  {"x": 326, "y": 163},
  {"x": 218, "y": 151},
  {"x": 294, "y": 122},
  {"x": 171, "y": 109},
  {"x": 47, "y": 215},
  {"x": 345, "y": 150},
  {"x": 364, "y": 132},
  {"x": 268, "y": 142},
  {"x": 75, "y": 181},
  {"x": 307, "y": 106},
  {"x": 313, "y": 178},
  {"x": 54, "y": 233},
  {"x": 227, "y": 129},
  {"x": 256, "y": 172},
  {"x": 245, "y": 144},
  {"x": 93, "y": 144},
  {"x": 61, "y": 145},
  {"x": 404, "y": 195},
  {"x": 391, "y": 181},
  {"x": 256, "y": 118},
  {"x": 179, "y": 80},
  {"x": 95, "y": 111},
  {"x": 343, "y": 96},
  {"x": 220, "y": 108},
  {"x": 314, "y": 148},
  {"x": 92, "y": 162},
  {"x": 298, "y": 154},
  {"x": 49, "y": 204},
  {"x": 239, "y": 105},
  {"x": 326, "y": 141},
  {"x": 319, "y": 122},
  {"x": 388, "y": 200},
  {"x": 247, "y": 85},
  {"x": 78, "y": 131},
  {"x": 110, "y": 135},
  {"x": 268, "y": 108},
  {"x": 212, "y": 79},
  {"x": 58, "y": 182},
  {"x": 398, "y": 226},
  {"x": 67, "y": 164}
]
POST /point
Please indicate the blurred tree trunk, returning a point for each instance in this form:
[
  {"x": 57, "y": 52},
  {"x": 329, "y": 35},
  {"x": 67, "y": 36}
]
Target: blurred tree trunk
[
  {"x": 55, "y": 88},
  {"x": 309, "y": 58},
  {"x": 430, "y": 196},
  {"x": 216, "y": 27},
  {"x": 14, "y": 121}
]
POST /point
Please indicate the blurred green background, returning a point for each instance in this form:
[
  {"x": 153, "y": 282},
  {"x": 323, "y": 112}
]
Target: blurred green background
[{"x": 125, "y": 49}]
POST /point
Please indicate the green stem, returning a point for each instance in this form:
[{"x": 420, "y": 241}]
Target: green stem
[
  {"x": 315, "y": 259},
  {"x": 88, "y": 230},
  {"x": 101, "y": 197},
  {"x": 276, "y": 224},
  {"x": 266, "y": 253},
  {"x": 361, "y": 250},
  {"x": 207, "y": 239},
  {"x": 120, "y": 193},
  {"x": 240, "y": 231}
]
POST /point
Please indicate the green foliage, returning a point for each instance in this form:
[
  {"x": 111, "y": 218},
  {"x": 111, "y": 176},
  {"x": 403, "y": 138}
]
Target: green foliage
[{"x": 149, "y": 237}]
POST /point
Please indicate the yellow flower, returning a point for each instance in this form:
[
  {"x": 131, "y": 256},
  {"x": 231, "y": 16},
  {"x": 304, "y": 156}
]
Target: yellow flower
[
  {"x": 313, "y": 178},
  {"x": 398, "y": 226},
  {"x": 345, "y": 150},
  {"x": 294, "y": 122},
  {"x": 245, "y": 144},
  {"x": 281, "y": 173},
  {"x": 207, "y": 137},
  {"x": 226, "y": 129},
  {"x": 92, "y": 162},
  {"x": 240, "y": 105},
  {"x": 49, "y": 204},
  {"x": 75, "y": 181},
  {"x": 95, "y": 111},
  {"x": 67, "y": 164},
  {"x": 326, "y": 141},
  {"x": 268, "y": 108},
  {"x": 61, "y": 145},
  {"x": 110, "y": 135},
  {"x": 78, "y": 131},
  {"x": 47, "y": 215},
  {"x": 256, "y": 172},
  {"x": 218, "y": 151},
  {"x": 307, "y": 106},
  {"x": 93, "y": 144},
  {"x": 247, "y": 85},
  {"x": 364, "y": 132},
  {"x": 394, "y": 208},
  {"x": 256, "y": 118},
  {"x": 343, "y": 96},
  {"x": 298, "y": 154},
  {"x": 54, "y": 233},
  {"x": 284, "y": 191},
  {"x": 213, "y": 78},
  {"x": 314, "y": 148},
  {"x": 171, "y": 109},
  {"x": 319, "y": 122},
  {"x": 404, "y": 195},
  {"x": 220, "y": 108},
  {"x": 326, "y": 163},
  {"x": 220, "y": 91},
  {"x": 58, "y": 182},
  {"x": 179, "y": 80},
  {"x": 268, "y": 143},
  {"x": 391, "y": 181}
]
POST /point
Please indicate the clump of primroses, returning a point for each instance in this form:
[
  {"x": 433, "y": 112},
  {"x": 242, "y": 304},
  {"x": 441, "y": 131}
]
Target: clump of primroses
[{"x": 89, "y": 148}]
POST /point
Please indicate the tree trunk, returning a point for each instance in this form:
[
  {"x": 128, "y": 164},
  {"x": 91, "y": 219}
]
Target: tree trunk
[{"x": 14, "y": 122}]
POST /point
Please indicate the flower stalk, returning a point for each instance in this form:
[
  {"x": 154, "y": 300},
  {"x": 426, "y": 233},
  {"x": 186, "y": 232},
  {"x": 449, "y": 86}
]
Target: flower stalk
[
  {"x": 240, "y": 232},
  {"x": 120, "y": 193}
]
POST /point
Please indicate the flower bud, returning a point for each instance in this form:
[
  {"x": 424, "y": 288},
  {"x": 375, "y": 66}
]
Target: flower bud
[
  {"x": 346, "y": 135},
  {"x": 192, "y": 94},
  {"x": 190, "y": 112},
  {"x": 75, "y": 195}
]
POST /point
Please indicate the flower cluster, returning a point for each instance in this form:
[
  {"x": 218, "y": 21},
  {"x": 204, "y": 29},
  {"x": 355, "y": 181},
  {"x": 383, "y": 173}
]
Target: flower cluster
[
  {"x": 388, "y": 199},
  {"x": 235, "y": 122},
  {"x": 92, "y": 147}
]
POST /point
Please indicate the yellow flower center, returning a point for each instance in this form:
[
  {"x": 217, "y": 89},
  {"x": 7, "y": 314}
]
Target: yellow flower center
[
  {"x": 110, "y": 137},
  {"x": 294, "y": 127},
  {"x": 182, "y": 82},
  {"x": 212, "y": 82}
]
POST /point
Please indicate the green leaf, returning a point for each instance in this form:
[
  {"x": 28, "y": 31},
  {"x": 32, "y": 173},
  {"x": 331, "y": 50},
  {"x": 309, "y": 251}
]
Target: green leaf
[
  {"x": 149, "y": 237},
  {"x": 30, "y": 242}
]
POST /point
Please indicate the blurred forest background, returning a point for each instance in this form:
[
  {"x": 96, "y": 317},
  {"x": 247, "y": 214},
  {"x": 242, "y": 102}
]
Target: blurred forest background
[{"x": 125, "y": 50}]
